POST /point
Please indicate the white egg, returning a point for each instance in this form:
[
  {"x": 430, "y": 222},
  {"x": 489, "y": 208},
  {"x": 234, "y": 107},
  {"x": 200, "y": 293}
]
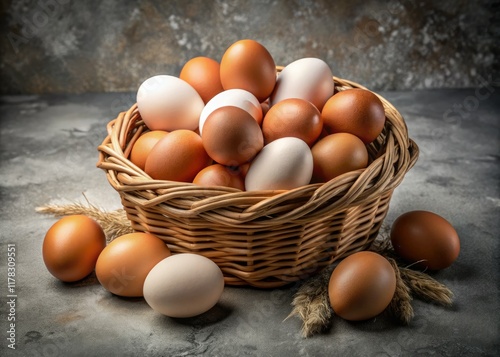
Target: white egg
[
  {"x": 306, "y": 78},
  {"x": 232, "y": 98},
  {"x": 283, "y": 164},
  {"x": 183, "y": 285},
  {"x": 169, "y": 103}
]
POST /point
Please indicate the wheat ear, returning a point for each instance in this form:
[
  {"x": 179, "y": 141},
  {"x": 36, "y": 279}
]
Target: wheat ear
[
  {"x": 311, "y": 303},
  {"x": 114, "y": 223}
]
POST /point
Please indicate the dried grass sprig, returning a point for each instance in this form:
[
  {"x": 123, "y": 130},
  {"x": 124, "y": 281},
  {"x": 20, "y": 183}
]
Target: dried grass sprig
[
  {"x": 400, "y": 306},
  {"x": 114, "y": 223},
  {"x": 427, "y": 288},
  {"x": 312, "y": 305}
]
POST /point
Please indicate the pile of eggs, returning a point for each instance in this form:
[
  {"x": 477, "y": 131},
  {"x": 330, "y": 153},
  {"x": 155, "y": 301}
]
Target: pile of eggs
[
  {"x": 133, "y": 265},
  {"x": 239, "y": 123}
]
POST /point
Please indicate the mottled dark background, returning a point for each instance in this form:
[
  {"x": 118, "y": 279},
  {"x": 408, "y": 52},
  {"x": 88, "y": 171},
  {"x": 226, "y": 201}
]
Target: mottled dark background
[{"x": 62, "y": 46}]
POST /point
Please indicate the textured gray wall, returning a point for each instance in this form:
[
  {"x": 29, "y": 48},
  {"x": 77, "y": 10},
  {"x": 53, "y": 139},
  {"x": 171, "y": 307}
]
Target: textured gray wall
[{"x": 61, "y": 46}]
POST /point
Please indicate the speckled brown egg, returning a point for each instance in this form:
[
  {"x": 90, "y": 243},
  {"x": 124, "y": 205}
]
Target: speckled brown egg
[
  {"x": 248, "y": 65},
  {"x": 425, "y": 239},
  {"x": 231, "y": 136},
  {"x": 292, "y": 117},
  {"x": 361, "y": 286},
  {"x": 356, "y": 111},
  {"x": 337, "y": 154}
]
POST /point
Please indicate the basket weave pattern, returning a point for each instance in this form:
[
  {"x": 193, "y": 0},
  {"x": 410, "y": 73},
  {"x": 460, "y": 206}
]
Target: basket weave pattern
[{"x": 268, "y": 238}]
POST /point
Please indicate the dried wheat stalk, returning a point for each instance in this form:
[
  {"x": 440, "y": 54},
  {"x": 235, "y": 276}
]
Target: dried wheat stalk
[
  {"x": 311, "y": 303},
  {"x": 114, "y": 223},
  {"x": 400, "y": 306},
  {"x": 427, "y": 288}
]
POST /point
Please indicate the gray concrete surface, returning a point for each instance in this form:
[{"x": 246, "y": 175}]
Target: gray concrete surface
[
  {"x": 48, "y": 155},
  {"x": 61, "y": 46}
]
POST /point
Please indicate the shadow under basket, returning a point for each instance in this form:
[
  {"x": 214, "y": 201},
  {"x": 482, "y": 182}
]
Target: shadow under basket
[{"x": 264, "y": 239}]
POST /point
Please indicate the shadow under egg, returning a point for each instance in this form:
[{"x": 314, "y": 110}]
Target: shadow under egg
[
  {"x": 89, "y": 280},
  {"x": 217, "y": 313}
]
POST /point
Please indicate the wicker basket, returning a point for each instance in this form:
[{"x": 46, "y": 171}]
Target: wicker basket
[{"x": 264, "y": 239}]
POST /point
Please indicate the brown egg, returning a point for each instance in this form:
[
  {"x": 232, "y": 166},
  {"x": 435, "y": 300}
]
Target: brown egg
[
  {"x": 71, "y": 247},
  {"x": 361, "y": 286},
  {"x": 248, "y": 65},
  {"x": 426, "y": 239},
  {"x": 143, "y": 146},
  {"x": 179, "y": 156},
  {"x": 124, "y": 264},
  {"x": 292, "y": 117},
  {"x": 220, "y": 175},
  {"x": 203, "y": 74},
  {"x": 337, "y": 154},
  {"x": 231, "y": 136},
  {"x": 356, "y": 111}
]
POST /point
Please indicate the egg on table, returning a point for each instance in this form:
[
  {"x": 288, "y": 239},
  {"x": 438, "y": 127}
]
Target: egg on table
[
  {"x": 425, "y": 239},
  {"x": 183, "y": 285},
  {"x": 361, "y": 286},
  {"x": 71, "y": 247},
  {"x": 124, "y": 264}
]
